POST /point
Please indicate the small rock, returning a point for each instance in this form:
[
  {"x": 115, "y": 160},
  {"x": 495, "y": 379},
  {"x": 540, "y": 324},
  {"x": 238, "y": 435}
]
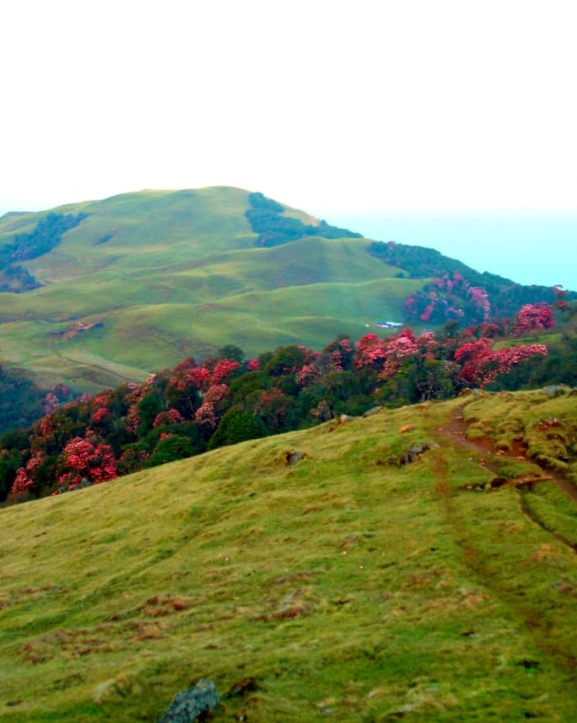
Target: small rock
[
  {"x": 189, "y": 704},
  {"x": 346, "y": 418},
  {"x": 293, "y": 457}
]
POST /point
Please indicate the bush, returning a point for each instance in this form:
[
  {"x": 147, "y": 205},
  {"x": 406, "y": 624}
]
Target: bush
[{"x": 237, "y": 426}]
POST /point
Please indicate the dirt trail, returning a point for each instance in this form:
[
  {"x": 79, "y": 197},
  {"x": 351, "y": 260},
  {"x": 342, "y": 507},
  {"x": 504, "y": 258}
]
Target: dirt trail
[{"x": 456, "y": 429}]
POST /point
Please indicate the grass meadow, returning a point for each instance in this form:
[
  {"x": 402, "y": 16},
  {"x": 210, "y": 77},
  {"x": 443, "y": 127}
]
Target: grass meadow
[{"x": 350, "y": 588}]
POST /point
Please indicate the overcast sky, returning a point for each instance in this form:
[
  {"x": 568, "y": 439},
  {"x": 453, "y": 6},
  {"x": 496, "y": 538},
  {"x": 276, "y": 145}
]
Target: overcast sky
[{"x": 366, "y": 108}]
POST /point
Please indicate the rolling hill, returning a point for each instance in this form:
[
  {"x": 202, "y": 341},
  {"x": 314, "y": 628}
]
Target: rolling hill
[
  {"x": 101, "y": 292},
  {"x": 413, "y": 564}
]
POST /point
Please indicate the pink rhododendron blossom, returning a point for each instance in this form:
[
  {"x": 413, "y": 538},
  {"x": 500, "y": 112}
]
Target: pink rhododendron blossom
[
  {"x": 308, "y": 374},
  {"x": 369, "y": 351},
  {"x": 209, "y": 411},
  {"x": 25, "y": 476},
  {"x": 172, "y": 416},
  {"x": 84, "y": 458},
  {"x": 532, "y": 317},
  {"x": 99, "y": 415},
  {"x": 223, "y": 369}
]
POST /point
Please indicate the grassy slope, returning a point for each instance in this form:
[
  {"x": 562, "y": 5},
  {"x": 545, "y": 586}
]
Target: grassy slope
[
  {"x": 351, "y": 589},
  {"x": 180, "y": 275}
]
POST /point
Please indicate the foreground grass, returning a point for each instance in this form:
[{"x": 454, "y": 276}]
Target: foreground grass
[{"x": 350, "y": 588}]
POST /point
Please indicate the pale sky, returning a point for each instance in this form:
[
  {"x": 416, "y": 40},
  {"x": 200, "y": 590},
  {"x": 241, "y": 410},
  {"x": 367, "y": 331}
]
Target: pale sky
[{"x": 371, "y": 107}]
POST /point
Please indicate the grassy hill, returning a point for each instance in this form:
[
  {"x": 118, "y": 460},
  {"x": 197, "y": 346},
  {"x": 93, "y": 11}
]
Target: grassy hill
[
  {"x": 109, "y": 291},
  {"x": 352, "y": 587},
  {"x": 158, "y": 275}
]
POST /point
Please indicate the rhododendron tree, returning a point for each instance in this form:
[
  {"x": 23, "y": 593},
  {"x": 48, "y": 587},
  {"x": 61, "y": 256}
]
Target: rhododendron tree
[
  {"x": 470, "y": 355},
  {"x": 273, "y": 407},
  {"x": 338, "y": 355},
  {"x": 288, "y": 360},
  {"x": 308, "y": 374},
  {"x": 479, "y": 297},
  {"x": 481, "y": 366},
  {"x": 27, "y": 476},
  {"x": 171, "y": 416},
  {"x": 560, "y": 295},
  {"x": 370, "y": 352},
  {"x": 396, "y": 350},
  {"x": 133, "y": 457},
  {"x": 100, "y": 415},
  {"x": 532, "y": 317},
  {"x": 85, "y": 458},
  {"x": 132, "y": 420},
  {"x": 451, "y": 297},
  {"x": 222, "y": 370},
  {"x": 212, "y": 407}
]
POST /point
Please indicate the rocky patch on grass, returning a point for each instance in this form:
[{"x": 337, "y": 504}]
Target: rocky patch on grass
[
  {"x": 192, "y": 704},
  {"x": 412, "y": 453},
  {"x": 294, "y": 456}
]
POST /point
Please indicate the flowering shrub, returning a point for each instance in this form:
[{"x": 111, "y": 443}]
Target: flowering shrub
[
  {"x": 479, "y": 297},
  {"x": 338, "y": 355},
  {"x": 26, "y": 476},
  {"x": 222, "y": 370},
  {"x": 84, "y": 458},
  {"x": 211, "y": 408},
  {"x": 369, "y": 352},
  {"x": 132, "y": 419},
  {"x": 532, "y": 317},
  {"x": 481, "y": 366},
  {"x": 172, "y": 416},
  {"x": 397, "y": 349},
  {"x": 308, "y": 374},
  {"x": 100, "y": 414}
]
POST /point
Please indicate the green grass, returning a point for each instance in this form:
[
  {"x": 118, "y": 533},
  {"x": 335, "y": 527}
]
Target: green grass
[
  {"x": 180, "y": 273},
  {"x": 350, "y": 588}
]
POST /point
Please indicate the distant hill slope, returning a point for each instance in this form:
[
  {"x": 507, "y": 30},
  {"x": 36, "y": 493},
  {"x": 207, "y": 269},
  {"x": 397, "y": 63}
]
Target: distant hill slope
[
  {"x": 351, "y": 586},
  {"x": 111, "y": 290}
]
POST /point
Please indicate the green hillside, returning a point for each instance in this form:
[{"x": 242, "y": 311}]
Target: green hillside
[
  {"x": 351, "y": 586},
  {"x": 166, "y": 274},
  {"x": 100, "y": 292}
]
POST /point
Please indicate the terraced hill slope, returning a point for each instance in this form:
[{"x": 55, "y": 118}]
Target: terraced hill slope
[{"x": 415, "y": 564}]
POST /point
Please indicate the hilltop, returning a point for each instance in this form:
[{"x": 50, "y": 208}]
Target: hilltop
[
  {"x": 100, "y": 292},
  {"x": 415, "y": 563}
]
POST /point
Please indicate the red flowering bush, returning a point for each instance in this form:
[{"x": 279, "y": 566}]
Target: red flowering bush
[
  {"x": 91, "y": 460},
  {"x": 211, "y": 408},
  {"x": 99, "y": 415},
  {"x": 172, "y": 416},
  {"x": 222, "y": 370},
  {"x": 398, "y": 348},
  {"x": 308, "y": 374},
  {"x": 26, "y": 476},
  {"x": 481, "y": 366},
  {"x": 370, "y": 351},
  {"x": 532, "y": 317}
]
